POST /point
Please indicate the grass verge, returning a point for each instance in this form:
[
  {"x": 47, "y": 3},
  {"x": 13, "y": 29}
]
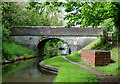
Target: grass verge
[
  {"x": 73, "y": 73},
  {"x": 69, "y": 72},
  {"x": 57, "y": 61},
  {"x": 10, "y": 50}
]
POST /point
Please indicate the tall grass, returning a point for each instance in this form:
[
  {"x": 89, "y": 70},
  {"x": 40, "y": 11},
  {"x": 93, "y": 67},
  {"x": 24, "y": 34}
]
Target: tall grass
[{"x": 10, "y": 50}]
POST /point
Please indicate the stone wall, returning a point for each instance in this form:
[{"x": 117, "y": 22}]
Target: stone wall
[
  {"x": 48, "y": 68},
  {"x": 55, "y": 31}
]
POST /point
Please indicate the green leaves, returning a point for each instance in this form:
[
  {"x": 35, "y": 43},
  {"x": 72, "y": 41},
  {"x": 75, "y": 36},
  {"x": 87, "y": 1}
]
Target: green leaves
[
  {"x": 91, "y": 13},
  {"x": 32, "y": 4}
]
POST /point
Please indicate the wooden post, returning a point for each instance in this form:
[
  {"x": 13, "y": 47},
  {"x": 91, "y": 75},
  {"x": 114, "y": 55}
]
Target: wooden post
[
  {"x": 113, "y": 40},
  {"x": 105, "y": 36}
]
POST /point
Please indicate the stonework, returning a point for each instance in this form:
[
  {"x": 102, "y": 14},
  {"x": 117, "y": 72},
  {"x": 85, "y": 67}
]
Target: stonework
[
  {"x": 36, "y": 37},
  {"x": 55, "y": 31},
  {"x": 95, "y": 57}
]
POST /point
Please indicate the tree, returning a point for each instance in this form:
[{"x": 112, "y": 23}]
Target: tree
[
  {"x": 92, "y": 13},
  {"x": 49, "y": 11},
  {"x": 25, "y": 14}
]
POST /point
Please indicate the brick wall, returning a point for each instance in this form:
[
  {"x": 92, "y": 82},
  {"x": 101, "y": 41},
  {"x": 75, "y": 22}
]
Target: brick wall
[{"x": 95, "y": 57}]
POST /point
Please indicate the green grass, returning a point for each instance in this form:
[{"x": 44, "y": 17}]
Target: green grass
[
  {"x": 76, "y": 57},
  {"x": 11, "y": 68},
  {"x": 114, "y": 53},
  {"x": 57, "y": 61},
  {"x": 110, "y": 70},
  {"x": 69, "y": 72},
  {"x": 73, "y": 73},
  {"x": 10, "y": 50}
]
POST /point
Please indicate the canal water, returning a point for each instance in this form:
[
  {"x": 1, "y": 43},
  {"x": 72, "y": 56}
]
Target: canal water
[
  {"x": 30, "y": 73},
  {"x": 26, "y": 71}
]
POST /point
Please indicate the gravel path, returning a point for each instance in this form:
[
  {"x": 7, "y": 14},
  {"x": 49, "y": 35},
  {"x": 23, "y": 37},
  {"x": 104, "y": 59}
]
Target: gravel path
[{"x": 101, "y": 76}]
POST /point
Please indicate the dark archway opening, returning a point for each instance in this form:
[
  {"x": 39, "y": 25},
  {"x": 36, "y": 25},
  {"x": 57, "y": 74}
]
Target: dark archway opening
[{"x": 48, "y": 48}]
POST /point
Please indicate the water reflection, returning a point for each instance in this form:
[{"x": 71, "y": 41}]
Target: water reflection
[
  {"x": 32, "y": 73},
  {"x": 29, "y": 74}
]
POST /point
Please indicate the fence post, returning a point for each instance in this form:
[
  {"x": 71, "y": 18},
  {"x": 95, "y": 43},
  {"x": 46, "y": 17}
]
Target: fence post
[
  {"x": 113, "y": 39},
  {"x": 105, "y": 36}
]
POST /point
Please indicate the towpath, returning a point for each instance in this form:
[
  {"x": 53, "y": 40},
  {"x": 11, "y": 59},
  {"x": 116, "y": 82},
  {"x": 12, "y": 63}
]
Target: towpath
[{"x": 101, "y": 76}]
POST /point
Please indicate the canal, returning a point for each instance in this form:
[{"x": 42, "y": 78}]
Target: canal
[{"x": 28, "y": 70}]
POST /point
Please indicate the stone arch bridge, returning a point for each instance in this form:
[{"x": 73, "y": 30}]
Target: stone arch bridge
[{"x": 35, "y": 37}]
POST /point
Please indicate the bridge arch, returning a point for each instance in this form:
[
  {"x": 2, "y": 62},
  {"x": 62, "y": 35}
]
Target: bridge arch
[{"x": 41, "y": 45}]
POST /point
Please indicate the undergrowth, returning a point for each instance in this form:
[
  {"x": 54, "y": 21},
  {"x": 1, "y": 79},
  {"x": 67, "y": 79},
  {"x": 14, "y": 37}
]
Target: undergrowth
[{"x": 10, "y": 50}]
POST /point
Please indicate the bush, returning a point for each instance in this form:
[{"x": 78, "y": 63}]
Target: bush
[
  {"x": 108, "y": 25},
  {"x": 101, "y": 41}
]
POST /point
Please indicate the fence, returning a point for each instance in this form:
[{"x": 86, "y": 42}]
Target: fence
[{"x": 111, "y": 37}]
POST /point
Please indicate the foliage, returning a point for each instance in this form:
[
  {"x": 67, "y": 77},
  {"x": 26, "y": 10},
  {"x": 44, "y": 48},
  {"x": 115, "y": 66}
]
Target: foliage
[
  {"x": 10, "y": 50},
  {"x": 92, "y": 13},
  {"x": 89, "y": 13},
  {"x": 5, "y": 34},
  {"x": 51, "y": 16},
  {"x": 52, "y": 53},
  {"x": 54, "y": 43},
  {"x": 108, "y": 25},
  {"x": 22, "y": 14},
  {"x": 99, "y": 43},
  {"x": 26, "y": 14}
]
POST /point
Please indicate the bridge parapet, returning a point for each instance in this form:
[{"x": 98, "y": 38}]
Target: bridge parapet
[{"x": 55, "y": 31}]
